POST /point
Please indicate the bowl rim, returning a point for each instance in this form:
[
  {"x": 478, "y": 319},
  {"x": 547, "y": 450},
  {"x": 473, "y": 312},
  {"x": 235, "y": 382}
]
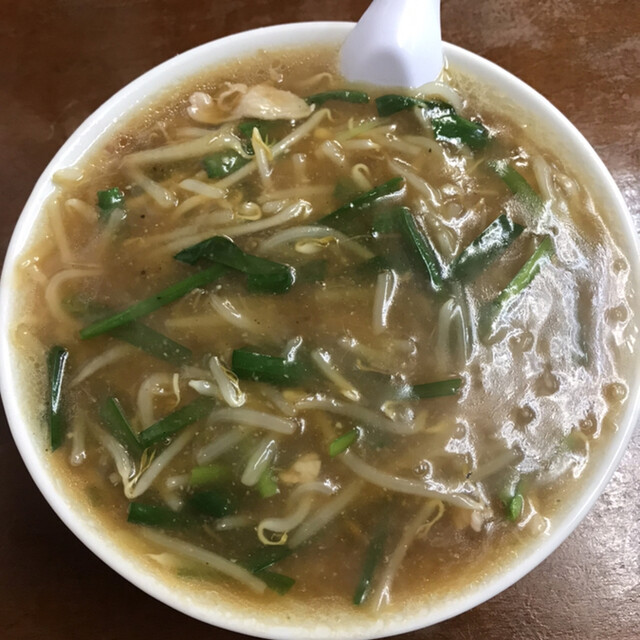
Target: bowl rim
[{"x": 89, "y": 135}]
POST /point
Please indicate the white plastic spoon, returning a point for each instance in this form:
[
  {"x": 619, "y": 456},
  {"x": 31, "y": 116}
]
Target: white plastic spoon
[{"x": 396, "y": 43}]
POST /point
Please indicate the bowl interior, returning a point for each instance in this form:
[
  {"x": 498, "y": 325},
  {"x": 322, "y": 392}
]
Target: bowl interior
[{"x": 573, "y": 150}]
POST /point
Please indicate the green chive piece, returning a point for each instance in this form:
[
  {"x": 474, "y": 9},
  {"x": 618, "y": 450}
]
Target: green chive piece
[
  {"x": 56, "y": 364},
  {"x": 447, "y": 124},
  {"x": 245, "y": 129},
  {"x": 135, "y": 333},
  {"x": 108, "y": 200},
  {"x": 113, "y": 417},
  {"x": 248, "y": 365},
  {"x": 152, "y": 342},
  {"x": 493, "y": 241},
  {"x": 160, "y": 299},
  {"x": 389, "y": 104},
  {"x": 277, "y": 582},
  {"x": 423, "y": 249},
  {"x": 267, "y": 484},
  {"x": 277, "y": 282},
  {"x": 215, "y": 473},
  {"x": 515, "y": 507},
  {"x": 438, "y": 389},
  {"x": 264, "y": 275},
  {"x": 345, "y": 95},
  {"x": 453, "y": 128},
  {"x": 152, "y": 515},
  {"x": 343, "y": 218},
  {"x": 525, "y": 276},
  {"x": 517, "y": 184},
  {"x": 265, "y": 557},
  {"x": 372, "y": 558},
  {"x": 385, "y": 222},
  {"x": 342, "y": 443},
  {"x": 212, "y": 503},
  {"x": 176, "y": 421},
  {"x": 223, "y": 163}
]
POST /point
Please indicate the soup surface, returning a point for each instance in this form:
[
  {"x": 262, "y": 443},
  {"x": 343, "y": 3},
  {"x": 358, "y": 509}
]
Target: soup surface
[{"x": 315, "y": 345}]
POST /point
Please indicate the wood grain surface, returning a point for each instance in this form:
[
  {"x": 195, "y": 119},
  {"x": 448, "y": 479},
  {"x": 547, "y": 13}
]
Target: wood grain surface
[{"x": 60, "y": 59}]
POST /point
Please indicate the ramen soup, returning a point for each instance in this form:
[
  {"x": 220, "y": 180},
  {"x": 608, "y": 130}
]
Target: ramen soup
[{"x": 299, "y": 343}]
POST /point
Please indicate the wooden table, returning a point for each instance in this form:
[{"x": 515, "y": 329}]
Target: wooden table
[{"x": 60, "y": 59}]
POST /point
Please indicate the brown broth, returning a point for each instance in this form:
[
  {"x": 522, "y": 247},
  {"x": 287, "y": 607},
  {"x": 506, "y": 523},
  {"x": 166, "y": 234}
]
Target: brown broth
[{"x": 546, "y": 384}]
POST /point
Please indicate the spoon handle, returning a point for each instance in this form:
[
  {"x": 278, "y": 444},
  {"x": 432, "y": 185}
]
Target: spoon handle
[{"x": 396, "y": 43}]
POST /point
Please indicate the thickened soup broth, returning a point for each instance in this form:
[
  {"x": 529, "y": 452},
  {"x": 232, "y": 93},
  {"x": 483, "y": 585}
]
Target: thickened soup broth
[{"x": 300, "y": 342}]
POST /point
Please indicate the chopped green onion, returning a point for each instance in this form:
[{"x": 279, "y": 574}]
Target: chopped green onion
[
  {"x": 512, "y": 498},
  {"x": 423, "y": 249},
  {"x": 392, "y": 103},
  {"x": 514, "y": 507},
  {"x": 345, "y": 95},
  {"x": 437, "y": 389},
  {"x": 108, "y": 200},
  {"x": 248, "y": 365},
  {"x": 56, "y": 364},
  {"x": 453, "y": 128},
  {"x": 215, "y": 473},
  {"x": 153, "y": 342},
  {"x": 277, "y": 582},
  {"x": 264, "y": 557},
  {"x": 146, "y": 306},
  {"x": 246, "y": 129},
  {"x": 212, "y": 503},
  {"x": 277, "y": 282},
  {"x": 520, "y": 188},
  {"x": 135, "y": 333},
  {"x": 447, "y": 124},
  {"x": 342, "y": 443},
  {"x": 176, "y": 421},
  {"x": 524, "y": 277},
  {"x": 152, "y": 515},
  {"x": 486, "y": 247},
  {"x": 385, "y": 222},
  {"x": 267, "y": 484},
  {"x": 114, "y": 419},
  {"x": 372, "y": 558},
  {"x": 265, "y": 275},
  {"x": 343, "y": 218},
  {"x": 223, "y": 163}
]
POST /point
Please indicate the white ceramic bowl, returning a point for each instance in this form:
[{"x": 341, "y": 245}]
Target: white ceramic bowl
[{"x": 568, "y": 144}]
